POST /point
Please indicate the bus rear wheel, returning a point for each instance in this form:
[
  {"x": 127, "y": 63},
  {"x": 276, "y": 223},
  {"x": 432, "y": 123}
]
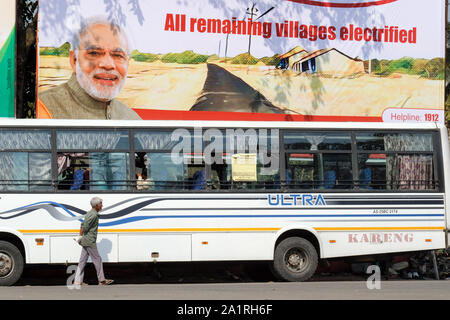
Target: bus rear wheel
[
  {"x": 11, "y": 264},
  {"x": 295, "y": 259}
]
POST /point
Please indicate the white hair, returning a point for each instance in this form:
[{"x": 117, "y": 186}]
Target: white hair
[
  {"x": 88, "y": 23},
  {"x": 95, "y": 201}
]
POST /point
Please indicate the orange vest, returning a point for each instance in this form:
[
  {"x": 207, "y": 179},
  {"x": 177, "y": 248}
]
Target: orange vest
[{"x": 41, "y": 111}]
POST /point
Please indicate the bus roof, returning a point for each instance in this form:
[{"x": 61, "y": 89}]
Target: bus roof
[{"x": 22, "y": 123}]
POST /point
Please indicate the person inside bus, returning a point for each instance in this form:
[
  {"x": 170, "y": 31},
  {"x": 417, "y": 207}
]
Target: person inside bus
[
  {"x": 199, "y": 180},
  {"x": 143, "y": 182},
  {"x": 78, "y": 179},
  {"x": 365, "y": 178},
  {"x": 99, "y": 58},
  {"x": 108, "y": 171},
  {"x": 329, "y": 178}
]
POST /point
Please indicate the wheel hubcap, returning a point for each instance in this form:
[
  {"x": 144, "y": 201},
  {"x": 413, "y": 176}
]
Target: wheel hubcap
[
  {"x": 6, "y": 264},
  {"x": 296, "y": 260}
]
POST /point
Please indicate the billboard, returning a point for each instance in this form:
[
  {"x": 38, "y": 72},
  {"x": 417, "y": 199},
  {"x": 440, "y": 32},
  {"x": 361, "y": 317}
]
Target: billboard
[
  {"x": 282, "y": 60},
  {"x": 7, "y": 58}
]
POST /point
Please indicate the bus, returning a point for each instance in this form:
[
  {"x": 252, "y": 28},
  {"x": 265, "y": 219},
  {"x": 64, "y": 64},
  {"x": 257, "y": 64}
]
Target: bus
[{"x": 288, "y": 193}]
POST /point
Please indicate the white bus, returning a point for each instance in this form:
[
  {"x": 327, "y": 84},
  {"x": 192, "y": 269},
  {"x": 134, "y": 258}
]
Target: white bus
[{"x": 289, "y": 193}]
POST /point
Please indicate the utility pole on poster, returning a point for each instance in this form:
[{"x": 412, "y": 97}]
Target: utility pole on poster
[{"x": 253, "y": 12}]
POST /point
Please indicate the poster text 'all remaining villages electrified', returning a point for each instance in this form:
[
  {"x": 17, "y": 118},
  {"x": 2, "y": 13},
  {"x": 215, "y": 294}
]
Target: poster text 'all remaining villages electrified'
[{"x": 274, "y": 60}]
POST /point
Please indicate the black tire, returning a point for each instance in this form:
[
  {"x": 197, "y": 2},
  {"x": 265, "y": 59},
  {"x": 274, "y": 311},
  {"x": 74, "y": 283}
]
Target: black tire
[
  {"x": 11, "y": 264},
  {"x": 274, "y": 273},
  {"x": 295, "y": 259}
]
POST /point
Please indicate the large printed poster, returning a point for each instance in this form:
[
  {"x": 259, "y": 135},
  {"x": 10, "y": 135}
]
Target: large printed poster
[
  {"x": 7, "y": 57},
  {"x": 287, "y": 59}
]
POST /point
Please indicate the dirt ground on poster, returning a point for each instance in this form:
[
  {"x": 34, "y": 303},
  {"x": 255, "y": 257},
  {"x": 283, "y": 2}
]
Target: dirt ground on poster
[{"x": 171, "y": 86}]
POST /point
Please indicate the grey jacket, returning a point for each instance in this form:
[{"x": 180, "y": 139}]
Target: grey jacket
[{"x": 90, "y": 229}]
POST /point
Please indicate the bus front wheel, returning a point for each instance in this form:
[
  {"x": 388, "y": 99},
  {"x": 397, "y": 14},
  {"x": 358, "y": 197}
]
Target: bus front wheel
[
  {"x": 11, "y": 264},
  {"x": 295, "y": 259}
]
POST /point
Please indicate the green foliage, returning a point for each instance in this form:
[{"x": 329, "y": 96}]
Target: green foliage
[
  {"x": 402, "y": 65},
  {"x": 62, "y": 51},
  {"x": 419, "y": 64},
  {"x": 186, "y": 57},
  {"x": 380, "y": 67},
  {"x": 144, "y": 57},
  {"x": 244, "y": 58},
  {"x": 431, "y": 69},
  {"x": 434, "y": 69},
  {"x": 271, "y": 61}
]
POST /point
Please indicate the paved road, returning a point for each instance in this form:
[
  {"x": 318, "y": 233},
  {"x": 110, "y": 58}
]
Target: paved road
[
  {"x": 342, "y": 290},
  {"x": 211, "y": 281},
  {"x": 224, "y": 91}
]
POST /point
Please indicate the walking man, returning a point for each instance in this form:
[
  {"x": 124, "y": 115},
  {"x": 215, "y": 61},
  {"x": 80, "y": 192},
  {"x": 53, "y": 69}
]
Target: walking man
[{"x": 88, "y": 231}]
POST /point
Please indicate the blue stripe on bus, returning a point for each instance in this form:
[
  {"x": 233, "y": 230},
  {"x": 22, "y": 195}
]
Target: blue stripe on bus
[
  {"x": 42, "y": 202},
  {"x": 135, "y": 219}
]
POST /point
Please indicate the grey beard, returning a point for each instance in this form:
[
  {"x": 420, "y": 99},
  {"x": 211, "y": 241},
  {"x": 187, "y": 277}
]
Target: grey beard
[{"x": 85, "y": 82}]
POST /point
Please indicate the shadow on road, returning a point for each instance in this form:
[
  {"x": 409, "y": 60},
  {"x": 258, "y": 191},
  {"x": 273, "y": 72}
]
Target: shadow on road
[{"x": 145, "y": 273}]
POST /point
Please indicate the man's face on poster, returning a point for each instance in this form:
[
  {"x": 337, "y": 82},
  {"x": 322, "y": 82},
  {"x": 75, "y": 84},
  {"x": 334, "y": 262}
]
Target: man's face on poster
[{"x": 101, "y": 63}]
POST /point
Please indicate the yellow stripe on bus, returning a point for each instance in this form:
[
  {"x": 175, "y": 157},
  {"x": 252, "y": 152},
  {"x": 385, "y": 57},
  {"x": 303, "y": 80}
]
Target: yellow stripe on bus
[
  {"x": 156, "y": 230},
  {"x": 377, "y": 228},
  {"x": 231, "y": 229}
]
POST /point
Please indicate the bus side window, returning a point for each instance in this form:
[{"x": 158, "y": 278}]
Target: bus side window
[
  {"x": 395, "y": 161},
  {"x": 25, "y": 160},
  {"x": 93, "y": 171},
  {"x": 161, "y": 169},
  {"x": 25, "y": 171},
  {"x": 93, "y": 160},
  {"x": 158, "y": 171},
  {"x": 267, "y": 178},
  {"x": 73, "y": 171},
  {"x": 318, "y": 160},
  {"x": 319, "y": 171}
]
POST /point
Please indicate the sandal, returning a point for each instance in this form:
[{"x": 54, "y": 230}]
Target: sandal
[
  {"x": 78, "y": 284},
  {"x": 106, "y": 282}
]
